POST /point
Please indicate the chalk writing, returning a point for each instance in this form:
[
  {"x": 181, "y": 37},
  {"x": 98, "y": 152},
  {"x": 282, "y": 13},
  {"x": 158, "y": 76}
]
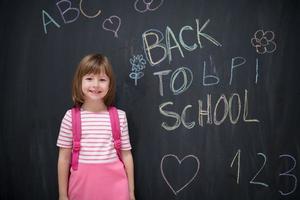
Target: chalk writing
[
  {"x": 160, "y": 74},
  {"x": 241, "y": 61},
  {"x": 264, "y": 41},
  {"x": 113, "y": 24},
  {"x": 193, "y": 175},
  {"x": 287, "y": 173},
  {"x": 187, "y": 77},
  {"x": 158, "y": 46},
  {"x": 137, "y": 65},
  {"x": 263, "y": 165},
  {"x": 238, "y": 156},
  {"x": 211, "y": 119},
  {"x": 237, "y": 64},
  {"x": 70, "y": 14},
  {"x": 207, "y": 80},
  {"x": 159, "y": 37},
  {"x": 144, "y": 6},
  {"x": 51, "y": 20},
  {"x": 84, "y": 13}
]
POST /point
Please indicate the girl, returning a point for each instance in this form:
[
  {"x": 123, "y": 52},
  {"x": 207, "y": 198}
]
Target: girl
[{"x": 100, "y": 174}]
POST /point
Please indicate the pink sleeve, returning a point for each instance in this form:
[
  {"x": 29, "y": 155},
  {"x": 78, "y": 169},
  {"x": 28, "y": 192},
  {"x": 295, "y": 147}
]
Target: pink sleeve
[{"x": 65, "y": 136}]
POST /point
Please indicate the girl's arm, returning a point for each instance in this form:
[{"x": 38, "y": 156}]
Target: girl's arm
[
  {"x": 128, "y": 162},
  {"x": 63, "y": 168}
]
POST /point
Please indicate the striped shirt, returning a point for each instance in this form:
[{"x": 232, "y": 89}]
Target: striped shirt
[{"x": 96, "y": 144}]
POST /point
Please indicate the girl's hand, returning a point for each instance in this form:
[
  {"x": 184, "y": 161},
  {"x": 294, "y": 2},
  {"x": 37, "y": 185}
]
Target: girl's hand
[
  {"x": 131, "y": 196},
  {"x": 63, "y": 198}
]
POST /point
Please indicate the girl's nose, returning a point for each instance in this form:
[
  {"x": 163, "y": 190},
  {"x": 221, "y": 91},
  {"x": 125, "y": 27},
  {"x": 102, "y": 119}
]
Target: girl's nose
[{"x": 95, "y": 83}]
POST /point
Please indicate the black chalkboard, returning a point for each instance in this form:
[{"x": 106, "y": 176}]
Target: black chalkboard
[{"x": 211, "y": 90}]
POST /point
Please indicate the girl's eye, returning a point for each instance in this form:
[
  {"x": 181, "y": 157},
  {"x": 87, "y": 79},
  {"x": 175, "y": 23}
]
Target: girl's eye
[
  {"x": 88, "y": 78},
  {"x": 102, "y": 79}
]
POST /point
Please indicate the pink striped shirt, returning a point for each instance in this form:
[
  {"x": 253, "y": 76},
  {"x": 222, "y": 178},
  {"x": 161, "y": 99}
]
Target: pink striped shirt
[{"x": 96, "y": 136}]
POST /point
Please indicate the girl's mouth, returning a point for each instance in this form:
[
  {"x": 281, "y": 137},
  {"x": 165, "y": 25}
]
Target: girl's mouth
[{"x": 94, "y": 91}]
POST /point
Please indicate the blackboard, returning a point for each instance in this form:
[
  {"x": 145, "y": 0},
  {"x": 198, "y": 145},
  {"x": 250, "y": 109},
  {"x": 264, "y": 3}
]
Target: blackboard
[{"x": 210, "y": 88}]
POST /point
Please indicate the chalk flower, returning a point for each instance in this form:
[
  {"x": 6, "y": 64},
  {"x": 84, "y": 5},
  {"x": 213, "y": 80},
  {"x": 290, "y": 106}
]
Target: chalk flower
[
  {"x": 138, "y": 63},
  {"x": 264, "y": 41}
]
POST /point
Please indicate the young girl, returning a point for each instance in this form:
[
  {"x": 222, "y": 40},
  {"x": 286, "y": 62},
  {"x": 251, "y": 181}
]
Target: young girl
[{"x": 100, "y": 174}]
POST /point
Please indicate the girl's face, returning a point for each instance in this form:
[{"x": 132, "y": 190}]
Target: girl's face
[{"x": 95, "y": 87}]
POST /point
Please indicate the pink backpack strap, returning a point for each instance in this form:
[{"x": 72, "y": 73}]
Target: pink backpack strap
[
  {"x": 76, "y": 129},
  {"x": 115, "y": 126}
]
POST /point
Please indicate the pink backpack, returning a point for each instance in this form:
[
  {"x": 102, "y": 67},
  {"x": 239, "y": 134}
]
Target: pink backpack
[{"x": 76, "y": 129}]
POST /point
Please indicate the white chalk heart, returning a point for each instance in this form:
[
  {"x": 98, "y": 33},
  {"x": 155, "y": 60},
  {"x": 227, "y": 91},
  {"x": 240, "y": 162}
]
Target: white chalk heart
[
  {"x": 184, "y": 185},
  {"x": 113, "y": 24}
]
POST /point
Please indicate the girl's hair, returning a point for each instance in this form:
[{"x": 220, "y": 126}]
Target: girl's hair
[{"x": 93, "y": 64}]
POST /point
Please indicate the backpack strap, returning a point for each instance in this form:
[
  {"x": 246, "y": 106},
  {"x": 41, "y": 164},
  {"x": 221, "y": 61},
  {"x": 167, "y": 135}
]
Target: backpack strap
[
  {"x": 76, "y": 129},
  {"x": 115, "y": 126}
]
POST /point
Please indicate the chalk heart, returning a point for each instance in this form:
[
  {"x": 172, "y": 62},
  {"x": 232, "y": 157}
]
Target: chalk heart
[
  {"x": 113, "y": 24},
  {"x": 194, "y": 174}
]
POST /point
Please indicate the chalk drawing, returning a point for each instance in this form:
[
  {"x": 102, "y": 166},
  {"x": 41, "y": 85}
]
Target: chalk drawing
[
  {"x": 263, "y": 41},
  {"x": 113, "y": 24},
  {"x": 144, "y": 5},
  {"x": 137, "y": 65},
  {"x": 171, "y": 156}
]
